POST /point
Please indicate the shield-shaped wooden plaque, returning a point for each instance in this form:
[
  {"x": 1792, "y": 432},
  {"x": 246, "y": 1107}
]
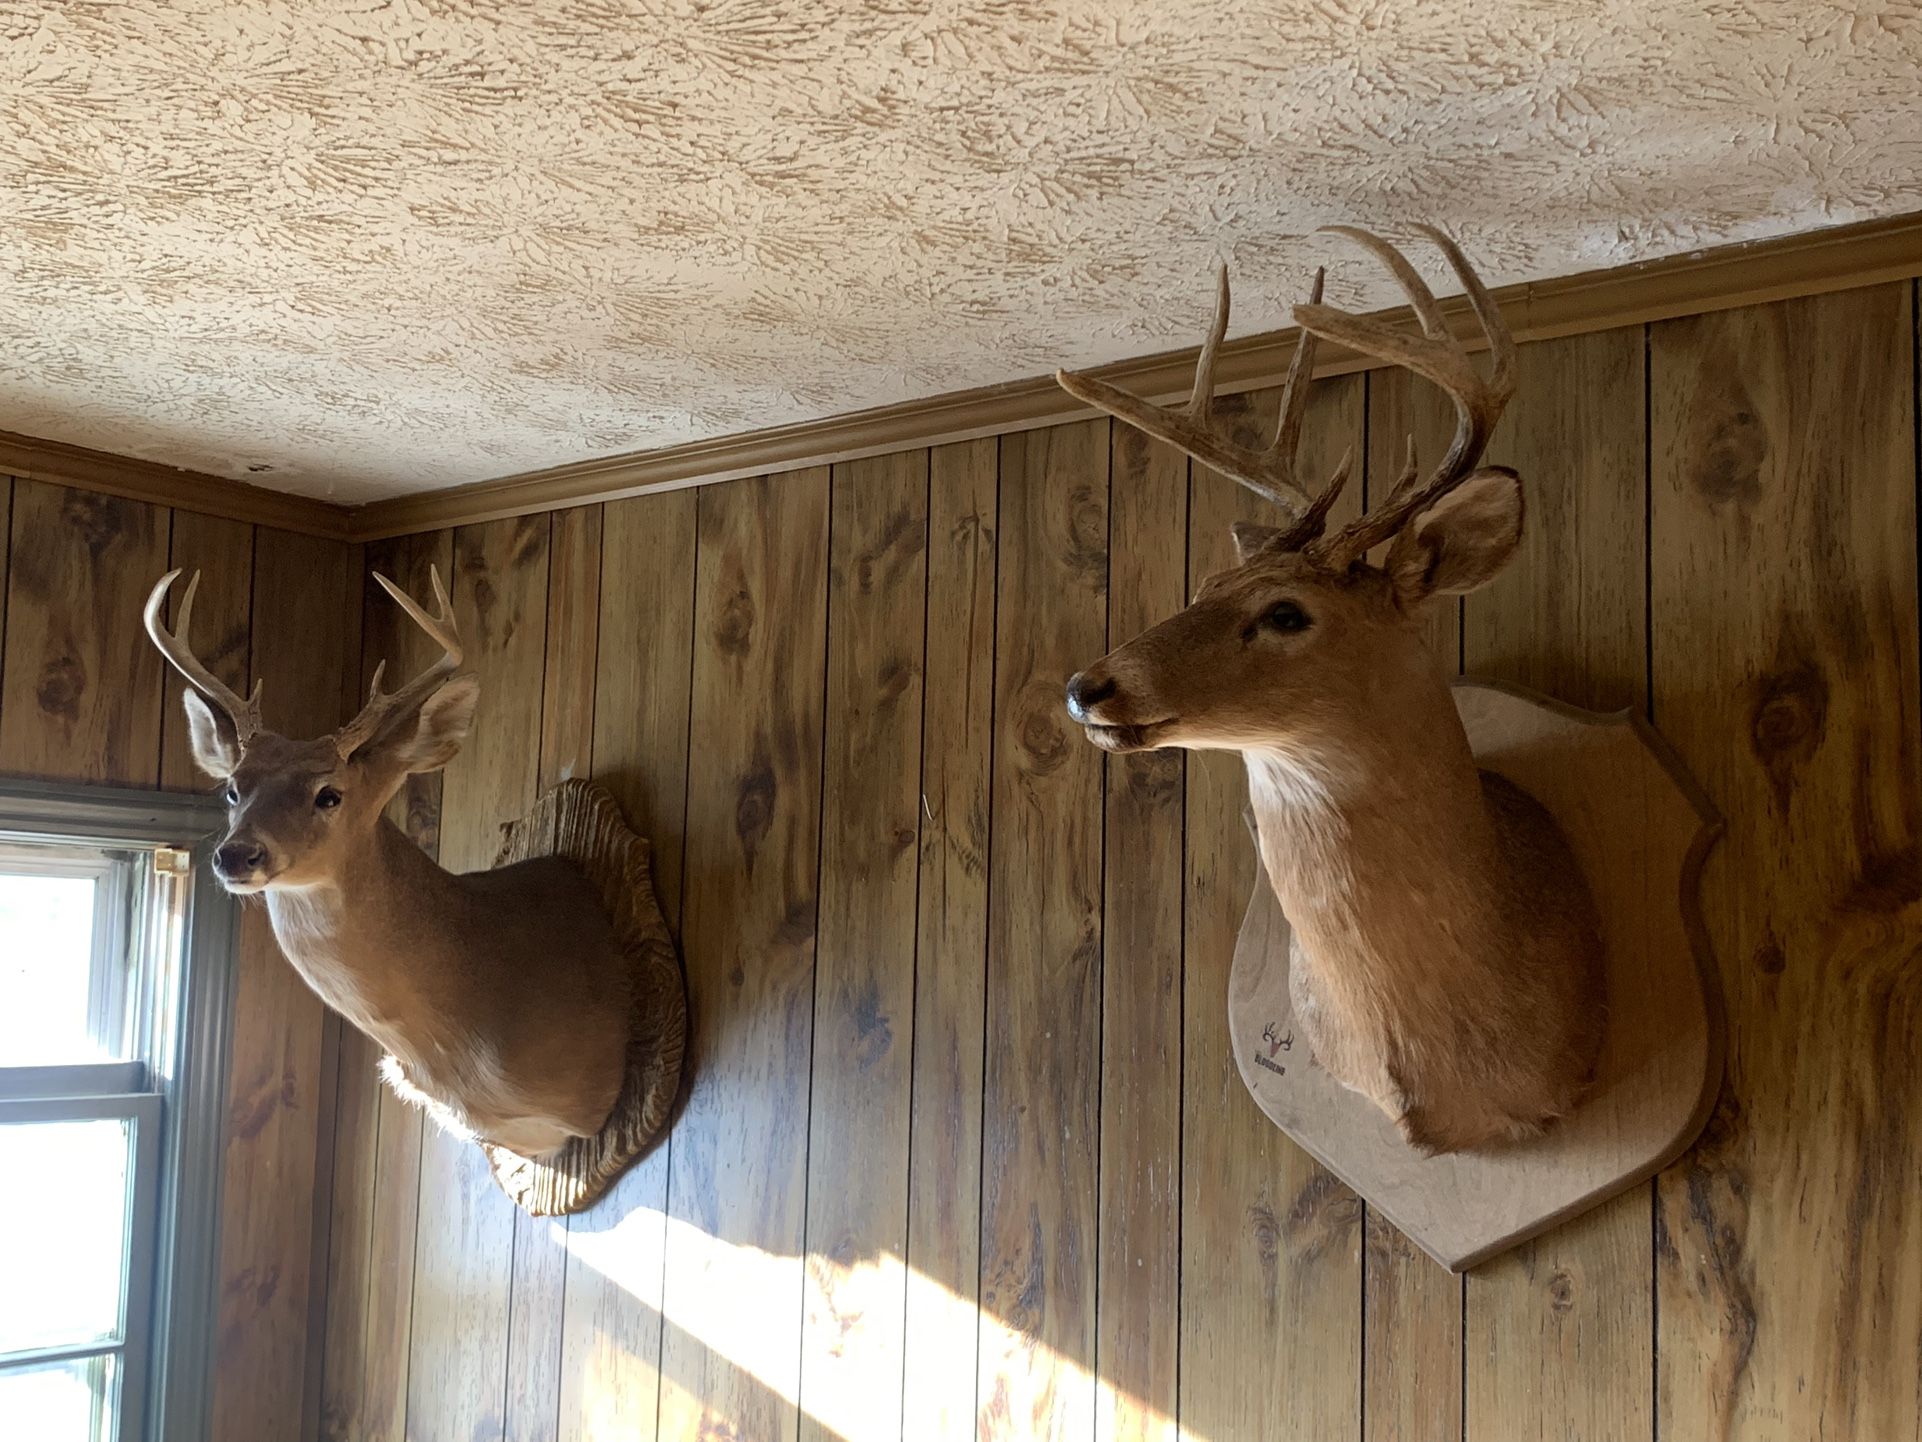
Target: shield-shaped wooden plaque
[{"x": 1641, "y": 830}]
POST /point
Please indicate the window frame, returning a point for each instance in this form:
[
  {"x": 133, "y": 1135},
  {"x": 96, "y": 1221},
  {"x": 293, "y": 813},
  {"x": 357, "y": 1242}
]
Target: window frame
[{"x": 173, "y": 1282}]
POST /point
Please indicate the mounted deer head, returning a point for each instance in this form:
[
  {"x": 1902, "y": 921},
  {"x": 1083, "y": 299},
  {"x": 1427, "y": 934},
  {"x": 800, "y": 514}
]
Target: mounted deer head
[
  {"x": 296, "y": 808},
  {"x": 500, "y": 996},
  {"x": 1446, "y": 956}
]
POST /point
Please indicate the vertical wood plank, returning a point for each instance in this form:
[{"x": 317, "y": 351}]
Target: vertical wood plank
[
  {"x": 1271, "y": 1265},
  {"x": 535, "y": 1312},
  {"x": 1138, "y": 1302},
  {"x": 944, "y": 1181},
  {"x": 573, "y": 622},
  {"x": 82, "y": 682},
  {"x": 223, "y": 553},
  {"x": 864, "y": 967},
  {"x": 1044, "y": 944},
  {"x": 1559, "y": 1332},
  {"x": 736, "y": 1189},
  {"x": 457, "y": 1376},
  {"x": 1785, "y": 672},
  {"x": 270, "y": 1209},
  {"x": 378, "y": 1152},
  {"x": 334, "y": 1032},
  {"x": 611, "y": 1333},
  {"x": 1411, "y": 1305}
]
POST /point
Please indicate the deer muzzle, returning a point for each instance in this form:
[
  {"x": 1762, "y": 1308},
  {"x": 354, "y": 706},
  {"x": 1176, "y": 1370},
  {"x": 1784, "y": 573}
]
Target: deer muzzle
[
  {"x": 1096, "y": 702},
  {"x": 241, "y": 864}
]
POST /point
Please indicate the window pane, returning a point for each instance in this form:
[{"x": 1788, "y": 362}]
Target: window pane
[
  {"x": 71, "y": 1401},
  {"x": 63, "y": 1232},
  {"x": 46, "y": 971}
]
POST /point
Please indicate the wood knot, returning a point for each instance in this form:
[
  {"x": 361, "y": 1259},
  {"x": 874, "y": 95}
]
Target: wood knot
[
  {"x": 63, "y": 681},
  {"x": 530, "y": 540},
  {"x": 1153, "y": 778},
  {"x": 797, "y": 924},
  {"x": 1769, "y": 959},
  {"x": 1087, "y": 553},
  {"x": 1044, "y": 740},
  {"x": 1730, "y": 442},
  {"x": 894, "y": 680},
  {"x": 1561, "y": 1291},
  {"x": 734, "y": 631},
  {"x": 97, "y": 520},
  {"x": 1322, "y": 1215},
  {"x": 1786, "y": 721},
  {"x": 754, "y": 802},
  {"x": 1266, "y": 1231}
]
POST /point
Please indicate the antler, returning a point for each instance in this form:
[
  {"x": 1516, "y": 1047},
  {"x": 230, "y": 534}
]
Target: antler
[
  {"x": 245, "y": 715},
  {"x": 381, "y": 709},
  {"x": 1268, "y": 472},
  {"x": 1434, "y": 355}
]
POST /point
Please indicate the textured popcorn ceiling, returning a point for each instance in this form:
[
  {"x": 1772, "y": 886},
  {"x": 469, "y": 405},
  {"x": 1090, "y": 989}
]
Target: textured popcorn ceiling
[{"x": 386, "y": 247}]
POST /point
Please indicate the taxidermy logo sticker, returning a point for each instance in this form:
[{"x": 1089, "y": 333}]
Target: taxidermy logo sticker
[{"x": 1274, "y": 1041}]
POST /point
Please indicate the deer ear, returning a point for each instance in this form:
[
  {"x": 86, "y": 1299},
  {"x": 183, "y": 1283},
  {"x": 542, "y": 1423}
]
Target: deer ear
[
  {"x": 1250, "y": 538},
  {"x": 211, "y": 736},
  {"x": 439, "y": 727},
  {"x": 1460, "y": 543}
]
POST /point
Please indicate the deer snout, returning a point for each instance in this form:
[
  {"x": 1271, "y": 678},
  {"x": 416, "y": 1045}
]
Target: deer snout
[
  {"x": 236, "y": 861},
  {"x": 1087, "y": 690}
]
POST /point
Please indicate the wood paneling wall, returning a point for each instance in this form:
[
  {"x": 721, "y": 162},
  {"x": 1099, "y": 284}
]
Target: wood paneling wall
[
  {"x": 83, "y": 698},
  {"x": 966, "y": 1154}
]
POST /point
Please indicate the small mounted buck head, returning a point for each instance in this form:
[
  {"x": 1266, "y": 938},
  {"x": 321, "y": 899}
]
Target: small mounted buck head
[
  {"x": 298, "y": 811},
  {"x": 1306, "y": 645}
]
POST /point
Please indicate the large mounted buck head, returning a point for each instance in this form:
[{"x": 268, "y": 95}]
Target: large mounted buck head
[
  {"x": 1444, "y": 954},
  {"x": 1305, "y": 645},
  {"x": 297, "y": 810}
]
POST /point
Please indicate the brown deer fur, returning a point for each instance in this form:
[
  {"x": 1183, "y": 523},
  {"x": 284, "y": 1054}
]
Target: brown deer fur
[
  {"x": 501, "y": 997},
  {"x": 1447, "y": 958}
]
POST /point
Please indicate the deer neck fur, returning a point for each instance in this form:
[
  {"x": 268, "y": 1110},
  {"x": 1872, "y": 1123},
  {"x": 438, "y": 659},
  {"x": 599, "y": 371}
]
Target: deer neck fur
[
  {"x": 366, "y": 941},
  {"x": 1383, "y": 855}
]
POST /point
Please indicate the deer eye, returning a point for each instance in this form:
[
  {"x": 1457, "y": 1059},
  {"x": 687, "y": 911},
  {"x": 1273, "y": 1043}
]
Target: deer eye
[
  {"x": 1287, "y": 616},
  {"x": 231, "y": 795},
  {"x": 327, "y": 798}
]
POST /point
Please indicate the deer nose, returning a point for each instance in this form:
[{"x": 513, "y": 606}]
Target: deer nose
[
  {"x": 234, "y": 859},
  {"x": 1085, "y": 692}
]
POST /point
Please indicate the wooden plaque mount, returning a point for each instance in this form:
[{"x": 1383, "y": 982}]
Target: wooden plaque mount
[{"x": 1641, "y": 829}]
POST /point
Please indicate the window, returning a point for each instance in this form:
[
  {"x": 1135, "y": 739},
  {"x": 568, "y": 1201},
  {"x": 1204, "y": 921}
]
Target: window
[{"x": 115, "y": 982}]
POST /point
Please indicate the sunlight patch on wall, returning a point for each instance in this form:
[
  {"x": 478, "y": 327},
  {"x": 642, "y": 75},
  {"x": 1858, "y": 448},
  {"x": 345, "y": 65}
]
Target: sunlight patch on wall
[{"x": 740, "y": 1303}]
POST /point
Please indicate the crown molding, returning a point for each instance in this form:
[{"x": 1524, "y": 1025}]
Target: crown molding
[
  {"x": 1691, "y": 284},
  {"x": 1694, "y": 283},
  {"x": 36, "y": 460}
]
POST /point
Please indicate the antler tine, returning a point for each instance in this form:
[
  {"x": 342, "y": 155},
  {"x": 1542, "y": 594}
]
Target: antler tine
[
  {"x": 1315, "y": 519},
  {"x": 1269, "y": 471},
  {"x": 1434, "y": 355},
  {"x": 1294, "y": 393},
  {"x": 381, "y": 709},
  {"x": 1501, "y": 345},
  {"x": 245, "y": 715},
  {"x": 1203, "y": 394}
]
